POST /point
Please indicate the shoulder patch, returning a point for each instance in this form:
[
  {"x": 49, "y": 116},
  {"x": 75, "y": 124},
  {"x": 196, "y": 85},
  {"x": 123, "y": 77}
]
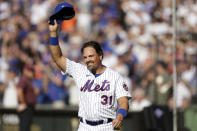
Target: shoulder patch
[{"x": 125, "y": 87}]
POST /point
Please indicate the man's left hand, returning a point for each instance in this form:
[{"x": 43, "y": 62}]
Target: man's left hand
[{"x": 117, "y": 122}]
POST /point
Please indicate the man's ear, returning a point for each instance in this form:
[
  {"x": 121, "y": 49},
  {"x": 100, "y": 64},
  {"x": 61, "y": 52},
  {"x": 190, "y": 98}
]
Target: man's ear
[{"x": 100, "y": 57}]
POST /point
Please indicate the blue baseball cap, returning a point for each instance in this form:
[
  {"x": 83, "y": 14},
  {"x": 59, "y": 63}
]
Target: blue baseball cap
[{"x": 63, "y": 11}]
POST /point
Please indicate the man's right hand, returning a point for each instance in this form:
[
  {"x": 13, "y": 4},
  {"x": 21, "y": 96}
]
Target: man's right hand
[{"x": 53, "y": 29}]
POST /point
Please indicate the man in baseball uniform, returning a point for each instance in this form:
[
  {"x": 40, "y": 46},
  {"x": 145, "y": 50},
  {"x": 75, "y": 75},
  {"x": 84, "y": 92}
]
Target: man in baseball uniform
[{"x": 103, "y": 94}]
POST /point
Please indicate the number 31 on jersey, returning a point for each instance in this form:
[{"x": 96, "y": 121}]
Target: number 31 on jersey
[{"x": 106, "y": 100}]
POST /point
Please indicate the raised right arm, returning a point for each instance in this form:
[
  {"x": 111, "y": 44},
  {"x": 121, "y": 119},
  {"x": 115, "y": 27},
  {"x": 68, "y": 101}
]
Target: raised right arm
[{"x": 55, "y": 50}]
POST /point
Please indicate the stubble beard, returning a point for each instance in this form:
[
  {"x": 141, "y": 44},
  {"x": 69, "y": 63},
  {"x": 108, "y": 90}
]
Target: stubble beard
[{"x": 92, "y": 69}]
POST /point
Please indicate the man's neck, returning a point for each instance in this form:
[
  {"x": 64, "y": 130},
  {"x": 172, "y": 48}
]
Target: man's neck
[{"x": 100, "y": 70}]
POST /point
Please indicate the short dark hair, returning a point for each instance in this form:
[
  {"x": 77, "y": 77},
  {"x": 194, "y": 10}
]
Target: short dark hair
[{"x": 94, "y": 45}]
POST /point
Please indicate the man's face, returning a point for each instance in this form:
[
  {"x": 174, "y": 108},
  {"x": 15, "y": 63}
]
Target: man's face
[
  {"x": 29, "y": 73},
  {"x": 91, "y": 58}
]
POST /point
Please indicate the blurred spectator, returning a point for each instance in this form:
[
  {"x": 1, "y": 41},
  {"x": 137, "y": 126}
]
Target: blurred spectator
[
  {"x": 26, "y": 97},
  {"x": 56, "y": 93},
  {"x": 39, "y": 11},
  {"x": 161, "y": 90},
  {"x": 10, "y": 98},
  {"x": 73, "y": 91},
  {"x": 4, "y": 10},
  {"x": 183, "y": 95},
  {"x": 39, "y": 81},
  {"x": 139, "y": 101},
  {"x": 110, "y": 59}
]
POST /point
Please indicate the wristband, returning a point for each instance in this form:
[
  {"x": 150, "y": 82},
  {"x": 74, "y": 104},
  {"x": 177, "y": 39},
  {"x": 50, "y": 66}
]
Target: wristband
[
  {"x": 123, "y": 112},
  {"x": 53, "y": 41}
]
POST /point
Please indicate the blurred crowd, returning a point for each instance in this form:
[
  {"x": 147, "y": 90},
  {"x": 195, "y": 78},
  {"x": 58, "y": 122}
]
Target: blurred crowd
[{"x": 136, "y": 36}]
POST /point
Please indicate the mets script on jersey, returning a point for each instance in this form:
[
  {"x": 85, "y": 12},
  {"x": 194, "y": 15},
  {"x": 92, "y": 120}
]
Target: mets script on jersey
[{"x": 88, "y": 86}]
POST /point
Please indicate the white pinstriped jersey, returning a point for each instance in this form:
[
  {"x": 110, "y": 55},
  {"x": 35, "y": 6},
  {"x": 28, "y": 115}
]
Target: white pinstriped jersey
[{"x": 97, "y": 95}]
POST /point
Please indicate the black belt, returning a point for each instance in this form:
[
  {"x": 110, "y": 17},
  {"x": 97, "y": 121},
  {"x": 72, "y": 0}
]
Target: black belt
[{"x": 95, "y": 123}]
